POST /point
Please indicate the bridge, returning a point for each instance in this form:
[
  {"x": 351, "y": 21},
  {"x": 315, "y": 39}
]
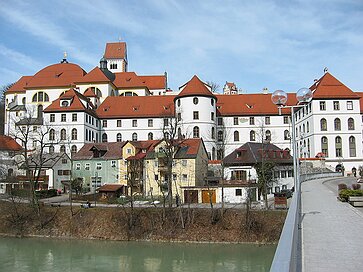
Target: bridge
[{"x": 326, "y": 236}]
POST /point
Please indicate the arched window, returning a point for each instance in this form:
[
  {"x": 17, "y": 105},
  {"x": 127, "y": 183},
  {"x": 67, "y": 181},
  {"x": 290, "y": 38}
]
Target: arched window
[
  {"x": 196, "y": 132},
  {"x": 40, "y": 111},
  {"x": 23, "y": 100},
  {"x": 74, "y": 134},
  {"x": 352, "y": 151},
  {"x": 268, "y": 135},
  {"x": 104, "y": 138},
  {"x": 337, "y": 124},
  {"x": 51, "y": 135},
  {"x": 307, "y": 127},
  {"x": 236, "y": 136},
  {"x": 338, "y": 146},
  {"x": 220, "y": 136},
  {"x": 73, "y": 149},
  {"x": 119, "y": 137},
  {"x": 213, "y": 153},
  {"x": 324, "y": 146},
  {"x": 62, "y": 149},
  {"x": 40, "y": 97},
  {"x": 195, "y": 100},
  {"x": 179, "y": 133},
  {"x": 323, "y": 125},
  {"x": 213, "y": 133},
  {"x": 51, "y": 149},
  {"x": 350, "y": 124},
  {"x": 134, "y": 136},
  {"x": 150, "y": 136},
  {"x": 252, "y": 136},
  {"x": 286, "y": 135},
  {"x": 63, "y": 135}
]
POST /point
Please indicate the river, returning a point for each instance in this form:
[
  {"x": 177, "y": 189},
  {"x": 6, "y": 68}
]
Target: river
[{"x": 40, "y": 254}]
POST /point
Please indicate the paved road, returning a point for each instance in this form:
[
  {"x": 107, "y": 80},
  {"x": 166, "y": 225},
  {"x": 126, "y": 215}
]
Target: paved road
[{"x": 331, "y": 230}]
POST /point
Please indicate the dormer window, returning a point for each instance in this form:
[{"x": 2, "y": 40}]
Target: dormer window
[{"x": 65, "y": 103}]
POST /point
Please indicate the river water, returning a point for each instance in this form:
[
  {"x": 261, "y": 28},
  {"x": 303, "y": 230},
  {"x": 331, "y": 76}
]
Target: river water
[{"x": 38, "y": 254}]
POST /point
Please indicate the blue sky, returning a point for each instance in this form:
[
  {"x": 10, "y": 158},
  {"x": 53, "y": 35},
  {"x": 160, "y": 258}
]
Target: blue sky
[{"x": 275, "y": 44}]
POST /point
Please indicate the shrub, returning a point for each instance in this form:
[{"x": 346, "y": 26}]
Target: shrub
[
  {"x": 355, "y": 186},
  {"x": 46, "y": 193},
  {"x": 346, "y": 193},
  {"x": 342, "y": 186}
]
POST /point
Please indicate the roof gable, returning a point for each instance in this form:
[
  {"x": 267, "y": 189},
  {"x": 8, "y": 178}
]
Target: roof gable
[
  {"x": 100, "y": 151},
  {"x": 195, "y": 87},
  {"x": 115, "y": 50},
  {"x": 95, "y": 75},
  {"x": 9, "y": 144}
]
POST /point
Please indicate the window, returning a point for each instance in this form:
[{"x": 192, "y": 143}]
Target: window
[
  {"x": 40, "y": 97},
  {"x": 113, "y": 66},
  {"x": 212, "y": 102},
  {"x": 118, "y": 137},
  {"x": 213, "y": 133},
  {"x": 267, "y": 120},
  {"x": 104, "y": 138},
  {"x": 238, "y": 192},
  {"x": 195, "y": 100},
  {"x": 212, "y": 116},
  {"x": 63, "y": 117},
  {"x": 252, "y": 120},
  {"x": 338, "y": 146},
  {"x": 324, "y": 146},
  {"x": 64, "y": 161},
  {"x": 236, "y": 136},
  {"x": 51, "y": 149},
  {"x": 78, "y": 166},
  {"x": 184, "y": 177},
  {"x": 235, "y": 121},
  {"x": 184, "y": 162},
  {"x": 178, "y": 102},
  {"x": 52, "y": 117},
  {"x": 86, "y": 166},
  {"x": 286, "y": 135},
  {"x": 134, "y": 136},
  {"x": 196, "y": 132},
  {"x": 336, "y": 105},
  {"x": 323, "y": 125},
  {"x": 350, "y": 124},
  {"x": 166, "y": 122},
  {"x": 74, "y": 149},
  {"x": 134, "y": 123},
  {"x": 99, "y": 166},
  {"x": 352, "y": 152},
  {"x": 220, "y": 121},
  {"x": 195, "y": 115},
  {"x": 51, "y": 135},
  {"x": 63, "y": 135},
  {"x": 349, "y": 105},
  {"x": 74, "y": 134},
  {"x": 62, "y": 149},
  {"x": 286, "y": 119},
  {"x": 119, "y": 123},
  {"x": 322, "y": 106},
  {"x": 104, "y": 123},
  {"x": 150, "y": 123},
  {"x": 268, "y": 135},
  {"x": 337, "y": 124},
  {"x": 113, "y": 163},
  {"x": 307, "y": 126},
  {"x": 220, "y": 136},
  {"x": 252, "y": 136},
  {"x": 150, "y": 136}
]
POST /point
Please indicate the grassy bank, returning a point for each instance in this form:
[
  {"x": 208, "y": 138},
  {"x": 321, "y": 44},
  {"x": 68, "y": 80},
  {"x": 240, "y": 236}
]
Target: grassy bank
[{"x": 157, "y": 224}]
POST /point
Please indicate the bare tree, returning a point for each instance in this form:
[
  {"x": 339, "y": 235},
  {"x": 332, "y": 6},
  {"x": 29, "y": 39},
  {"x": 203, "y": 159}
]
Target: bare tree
[
  {"x": 214, "y": 86},
  {"x": 3, "y": 90}
]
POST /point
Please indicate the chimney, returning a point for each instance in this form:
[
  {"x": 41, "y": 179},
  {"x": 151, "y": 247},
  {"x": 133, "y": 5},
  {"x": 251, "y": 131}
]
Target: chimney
[{"x": 265, "y": 90}]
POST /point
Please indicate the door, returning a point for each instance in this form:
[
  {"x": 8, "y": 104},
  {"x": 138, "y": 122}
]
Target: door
[
  {"x": 208, "y": 195},
  {"x": 191, "y": 196}
]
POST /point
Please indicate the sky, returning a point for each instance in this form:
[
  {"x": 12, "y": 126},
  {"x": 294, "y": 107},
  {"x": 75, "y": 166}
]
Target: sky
[{"x": 277, "y": 44}]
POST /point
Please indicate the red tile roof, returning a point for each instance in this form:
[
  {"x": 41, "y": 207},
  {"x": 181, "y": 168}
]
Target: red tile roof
[
  {"x": 250, "y": 105},
  {"x": 95, "y": 75},
  {"x": 56, "y": 75},
  {"x": 136, "y": 106},
  {"x": 329, "y": 87},
  {"x": 90, "y": 92},
  {"x": 195, "y": 87},
  {"x": 113, "y": 150},
  {"x": 110, "y": 187},
  {"x": 9, "y": 144},
  {"x": 154, "y": 82},
  {"x": 128, "y": 80},
  {"x": 115, "y": 50},
  {"x": 20, "y": 85},
  {"x": 360, "y": 94}
]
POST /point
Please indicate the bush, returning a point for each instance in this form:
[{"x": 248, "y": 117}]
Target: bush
[
  {"x": 355, "y": 186},
  {"x": 342, "y": 186},
  {"x": 46, "y": 193},
  {"x": 346, "y": 193}
]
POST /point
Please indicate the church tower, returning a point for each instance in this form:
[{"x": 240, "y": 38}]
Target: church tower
[{"x": 116, "y": 57}]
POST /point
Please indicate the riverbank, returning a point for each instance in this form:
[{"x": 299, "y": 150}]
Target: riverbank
[{"x": 146, "y": 224}]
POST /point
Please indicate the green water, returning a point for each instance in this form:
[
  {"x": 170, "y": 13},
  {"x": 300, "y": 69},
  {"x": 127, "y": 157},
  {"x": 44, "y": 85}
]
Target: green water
[{"x": 33, "y": 254}]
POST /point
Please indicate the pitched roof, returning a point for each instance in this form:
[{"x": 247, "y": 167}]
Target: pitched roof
[
  {"x": 56, "y": 75},
  {"x": 110, "y": 187},
  {"x": 154, "y": 82},
  {"x": 115, "y": 50},
  {"x": 361, "y": 101},
  {"x": 330, "y": 87},
  {"x": 188, "y": 148},
  {"x": 47, "y": 160},
  {"x": 20, "y": 85},
  {"x": 9, "y": 144},
  {"x": 195, "y": 87},
  {"x": 95, "y": 75},
  {"x": 136, "y": 106},
  {"x": 251, "y": 153},
  {"x": 128, "y": 80},
  {"x": 75, "y": 105},
  {"x": 112, "y": 150},
  {"x": 250, "y": 105}
]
